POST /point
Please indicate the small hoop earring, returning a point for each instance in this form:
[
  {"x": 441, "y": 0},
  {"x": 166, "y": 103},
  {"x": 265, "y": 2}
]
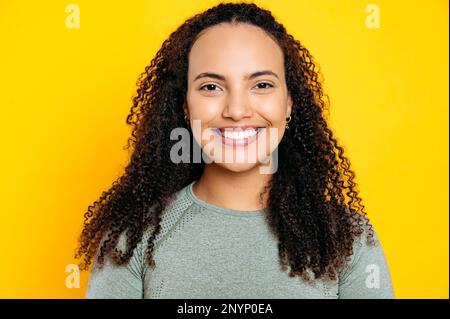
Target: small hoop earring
[
  {"x": 186, "y": 120},
  {"x": 288, "y": 119}
]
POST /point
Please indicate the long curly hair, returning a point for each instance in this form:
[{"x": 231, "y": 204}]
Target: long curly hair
[{"x": 313, "y": 204}]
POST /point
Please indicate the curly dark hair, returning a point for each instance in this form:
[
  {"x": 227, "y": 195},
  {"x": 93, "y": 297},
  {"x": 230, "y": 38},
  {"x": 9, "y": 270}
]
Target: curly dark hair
[{"x": 314, "y": 207}]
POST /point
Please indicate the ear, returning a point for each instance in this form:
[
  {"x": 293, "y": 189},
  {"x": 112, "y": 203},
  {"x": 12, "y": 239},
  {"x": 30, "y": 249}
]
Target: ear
[{"x": 289, "y": 105}]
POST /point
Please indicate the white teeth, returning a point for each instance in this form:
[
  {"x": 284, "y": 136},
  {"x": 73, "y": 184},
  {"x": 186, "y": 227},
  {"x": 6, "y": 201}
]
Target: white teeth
[{"x": 241, "y": 134}]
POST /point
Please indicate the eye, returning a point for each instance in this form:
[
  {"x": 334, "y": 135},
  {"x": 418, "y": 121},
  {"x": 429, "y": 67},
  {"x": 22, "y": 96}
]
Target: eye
[
  {"x": 265, "y": 83},
  {"x": 210, "y": 85}
]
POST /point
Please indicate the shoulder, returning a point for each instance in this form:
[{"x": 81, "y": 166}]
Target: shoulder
[
  {"x": 366, "y": 273},
  {"x": 365, "y": 244},
  {"x": 177, "y": 212}
]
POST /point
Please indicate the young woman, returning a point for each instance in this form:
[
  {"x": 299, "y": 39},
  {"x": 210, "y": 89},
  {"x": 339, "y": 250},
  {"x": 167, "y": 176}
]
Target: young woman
[{"x": 288, "y": 225}]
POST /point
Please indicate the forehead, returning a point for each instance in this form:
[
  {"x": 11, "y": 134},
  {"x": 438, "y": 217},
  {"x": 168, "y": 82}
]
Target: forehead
[{"x": 241, "y": 48}]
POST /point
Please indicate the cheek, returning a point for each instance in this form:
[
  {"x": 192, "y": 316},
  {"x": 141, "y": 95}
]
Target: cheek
[
  {"x": 272, "y": 108},
  {"x": 204, "y": 110},
  {"x": 274, "y": 113},
  {"x": 200, "y": 108},
  {"x": 202, "y": 113}
]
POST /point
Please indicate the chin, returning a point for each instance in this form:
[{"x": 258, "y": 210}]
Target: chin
[{"x": 238, "y": 167}]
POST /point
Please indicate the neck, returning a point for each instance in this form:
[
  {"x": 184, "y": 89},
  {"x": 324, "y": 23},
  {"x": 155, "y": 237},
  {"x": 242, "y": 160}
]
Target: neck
[{"x": 232, "y": 190}]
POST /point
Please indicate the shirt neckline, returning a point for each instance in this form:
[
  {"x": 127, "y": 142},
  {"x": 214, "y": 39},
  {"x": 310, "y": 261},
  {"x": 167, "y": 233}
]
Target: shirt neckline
[{"x": 222, "y": 210}]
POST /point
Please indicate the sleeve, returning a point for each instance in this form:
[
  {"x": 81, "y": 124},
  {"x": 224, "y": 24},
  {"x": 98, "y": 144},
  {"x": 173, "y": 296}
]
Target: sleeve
[
  {"x": 367, "y": 276},
  {"x": 117, "y": 282}
]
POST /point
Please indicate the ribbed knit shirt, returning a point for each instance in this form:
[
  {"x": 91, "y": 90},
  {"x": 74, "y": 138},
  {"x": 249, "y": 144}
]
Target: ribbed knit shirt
[{"x": 210, "y": 252}]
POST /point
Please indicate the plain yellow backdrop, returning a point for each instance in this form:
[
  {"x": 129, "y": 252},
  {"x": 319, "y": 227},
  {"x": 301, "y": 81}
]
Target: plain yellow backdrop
[{"x": 65, "y": 94}]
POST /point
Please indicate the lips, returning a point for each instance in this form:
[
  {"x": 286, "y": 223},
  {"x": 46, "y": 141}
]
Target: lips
[{"x": 241, "y": 136}]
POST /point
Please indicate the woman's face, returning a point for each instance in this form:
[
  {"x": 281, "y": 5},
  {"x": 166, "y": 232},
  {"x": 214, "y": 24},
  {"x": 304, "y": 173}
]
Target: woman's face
[{"x": 233, "y": 98}]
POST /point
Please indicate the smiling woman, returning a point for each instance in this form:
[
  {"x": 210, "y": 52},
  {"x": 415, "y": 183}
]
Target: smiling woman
[
  {"x": 223, "y": 229},
  {"x": 244, "y": 75}
]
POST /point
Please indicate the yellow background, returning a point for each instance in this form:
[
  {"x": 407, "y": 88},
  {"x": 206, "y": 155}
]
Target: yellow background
[{"x": 65, "y": 94}]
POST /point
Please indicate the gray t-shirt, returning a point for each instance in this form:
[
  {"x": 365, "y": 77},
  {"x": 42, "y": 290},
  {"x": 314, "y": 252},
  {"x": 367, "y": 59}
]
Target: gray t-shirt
[{"x": 206, "y": 251}]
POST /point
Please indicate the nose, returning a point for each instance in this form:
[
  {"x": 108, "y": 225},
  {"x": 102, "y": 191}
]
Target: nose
[{"x": 237, "y": 108}]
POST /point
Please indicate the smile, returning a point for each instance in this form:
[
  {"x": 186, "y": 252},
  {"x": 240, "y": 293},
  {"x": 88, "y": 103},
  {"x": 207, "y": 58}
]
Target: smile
[{"x": 239, "y": 137}]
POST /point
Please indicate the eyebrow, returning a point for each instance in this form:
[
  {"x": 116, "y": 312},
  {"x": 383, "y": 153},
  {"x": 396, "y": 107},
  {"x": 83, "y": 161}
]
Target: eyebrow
[{"x": 222, "y": 77}]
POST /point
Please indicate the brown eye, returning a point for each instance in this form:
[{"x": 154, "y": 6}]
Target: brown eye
[
  {"x": 209, "y": 86},
  {"x": 267, "y": 85}
]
